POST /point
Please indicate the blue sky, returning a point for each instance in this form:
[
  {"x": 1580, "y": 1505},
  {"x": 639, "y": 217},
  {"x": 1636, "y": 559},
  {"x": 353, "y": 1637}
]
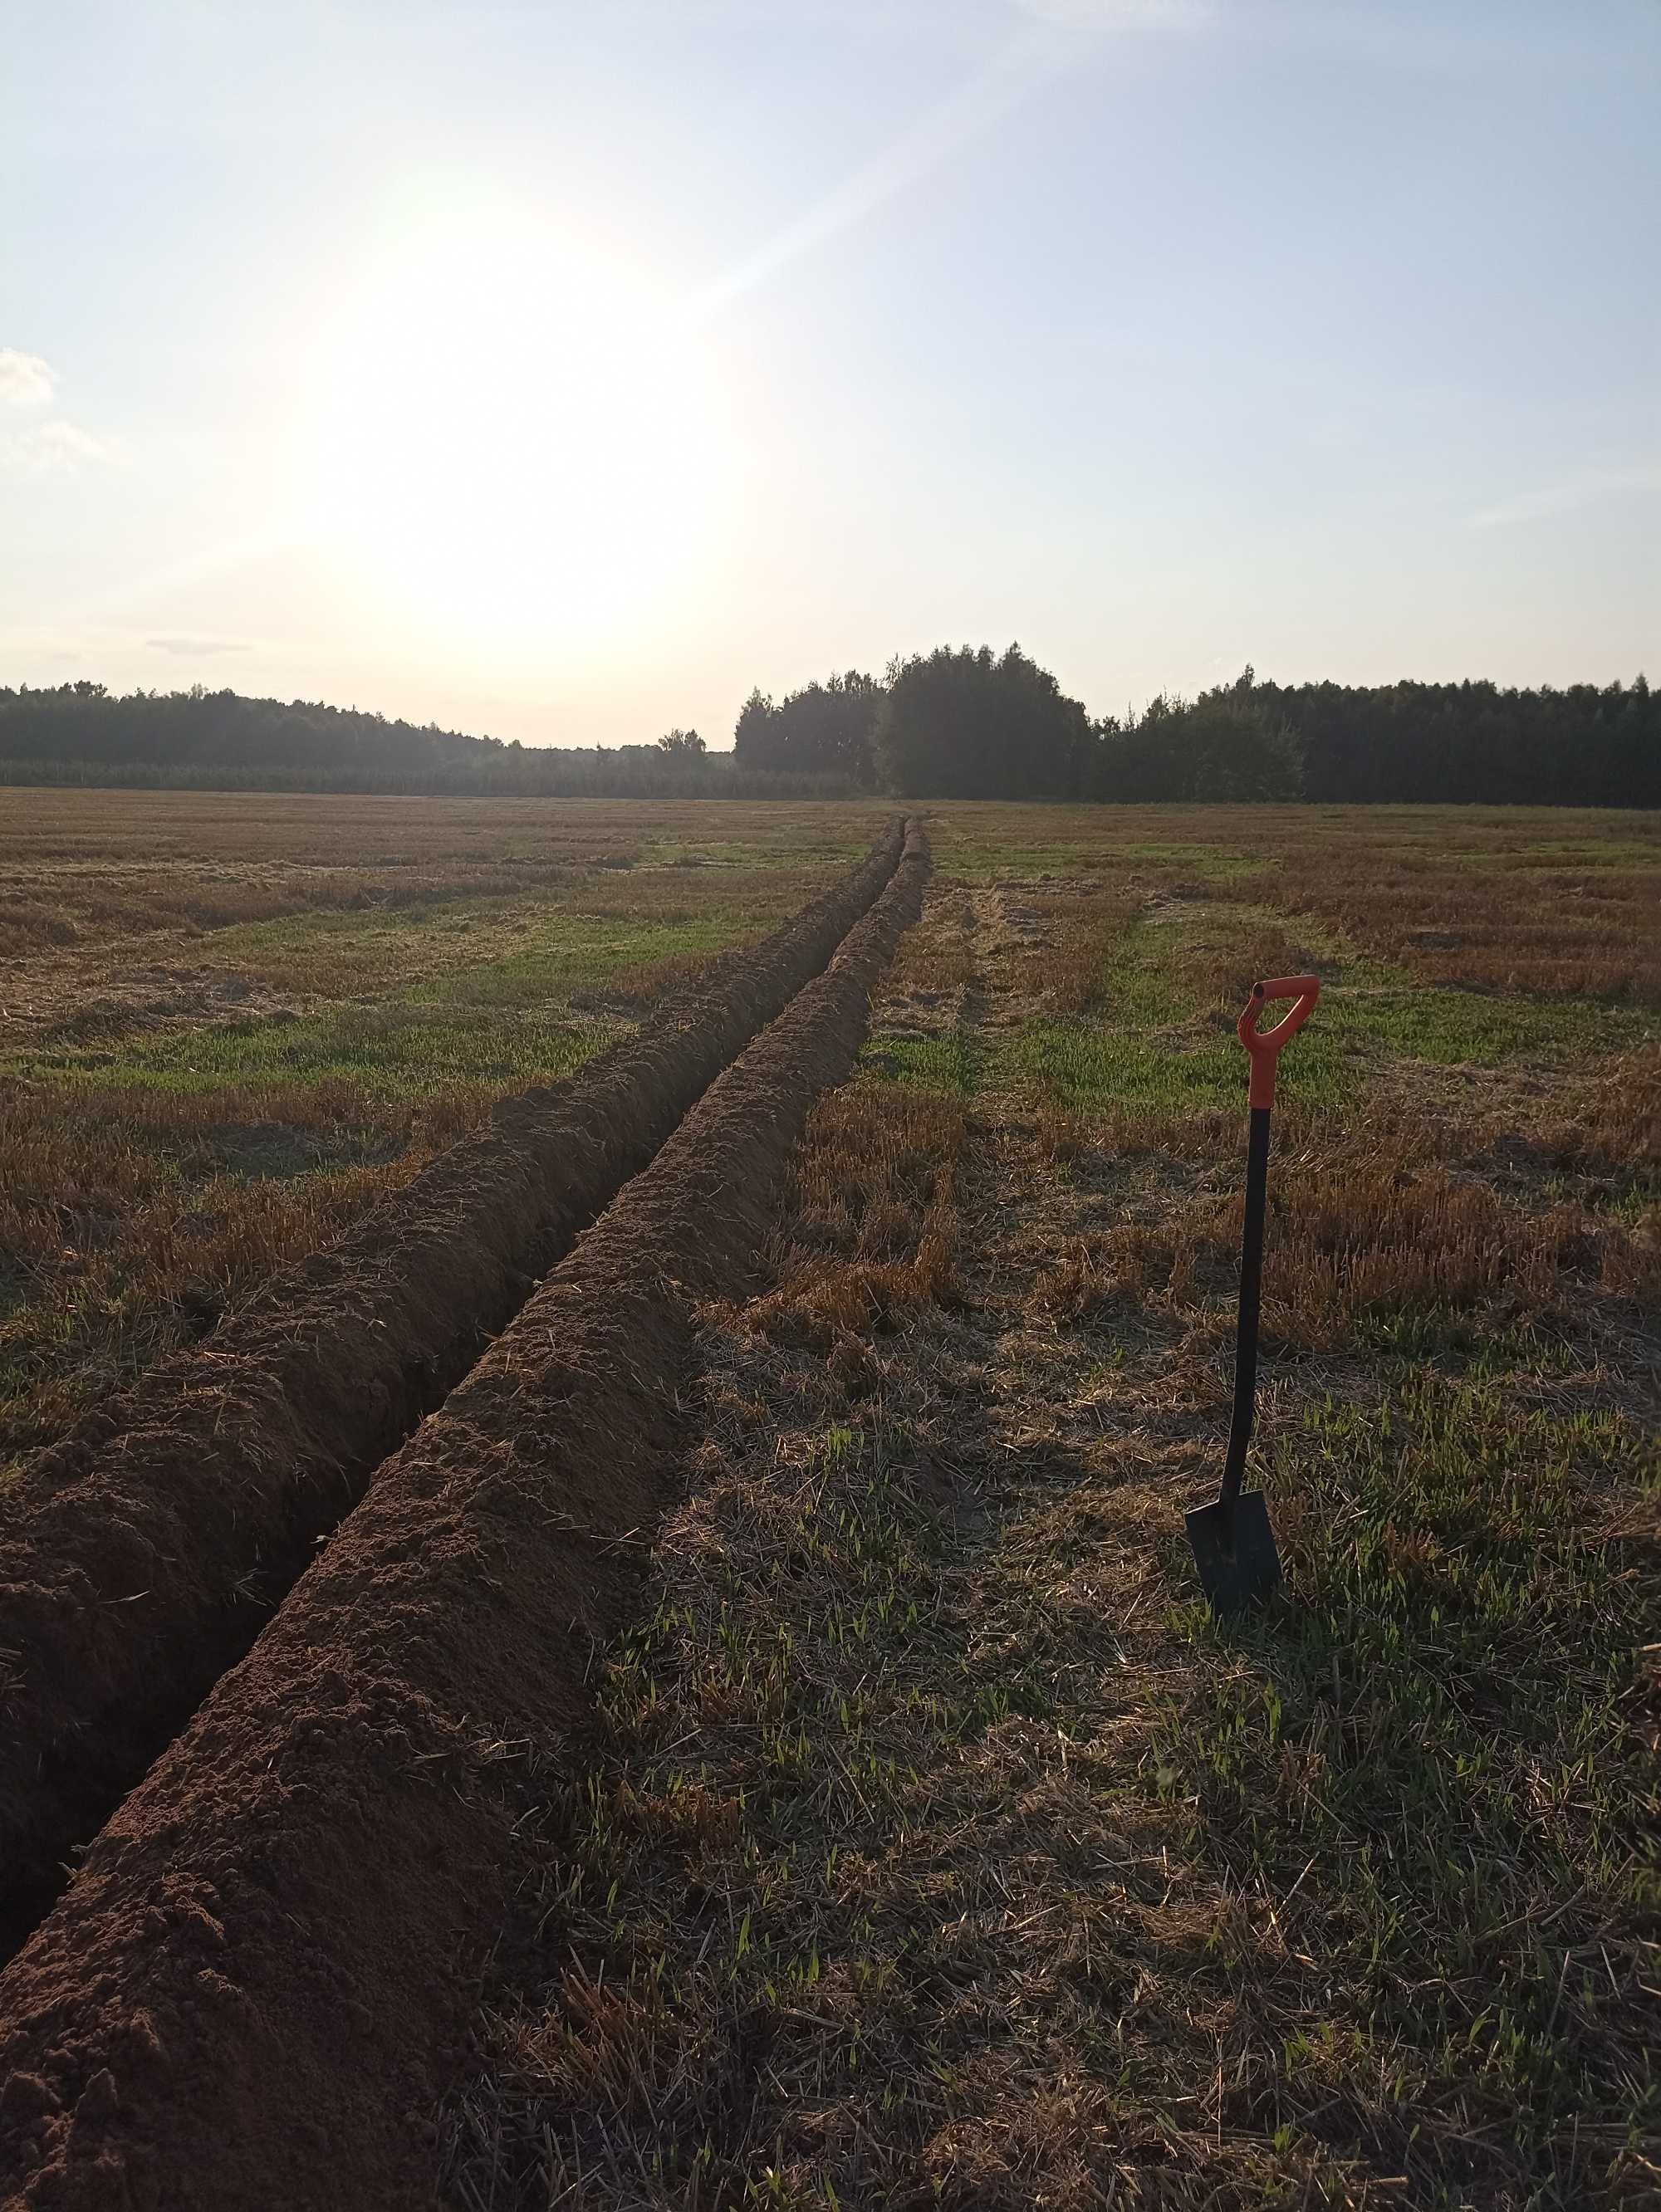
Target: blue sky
[{"x": 563, "y": 370}]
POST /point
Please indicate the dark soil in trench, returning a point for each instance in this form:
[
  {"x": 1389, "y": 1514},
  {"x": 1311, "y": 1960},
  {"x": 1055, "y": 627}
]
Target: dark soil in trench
[
  {"x": 255, "y": 1990},
  {"x": 142, "y": 1555}
]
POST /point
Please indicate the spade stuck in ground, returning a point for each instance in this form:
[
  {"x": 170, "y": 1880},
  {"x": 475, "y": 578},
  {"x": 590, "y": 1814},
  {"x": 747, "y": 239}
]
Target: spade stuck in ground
[{"x": 1233, "y": 1541}]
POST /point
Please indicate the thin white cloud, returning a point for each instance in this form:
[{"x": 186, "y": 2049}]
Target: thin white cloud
[
  {"x": 195, "y": 648},
  {"x": 1055, "y": 33},
  {"x": 25, "y": 380},
  {"x": 1566, "y": 496},
  {"x": 51, "y": 449},
  {"x": 1022, "y": 65}
]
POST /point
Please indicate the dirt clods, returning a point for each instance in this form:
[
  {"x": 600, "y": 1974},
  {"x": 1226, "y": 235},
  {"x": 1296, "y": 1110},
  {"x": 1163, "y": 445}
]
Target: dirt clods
[
  {"x": 255, "y": 1990},
  {"x": 139, "y": 1558}
]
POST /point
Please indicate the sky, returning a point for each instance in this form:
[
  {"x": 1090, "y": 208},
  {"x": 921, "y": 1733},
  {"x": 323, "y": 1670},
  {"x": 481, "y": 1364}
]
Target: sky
[{"x": 563, "y": 372}]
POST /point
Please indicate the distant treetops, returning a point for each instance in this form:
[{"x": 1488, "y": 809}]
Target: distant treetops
[
  {"x": 959, "y": 724},
  {"x": 962, "y": 722}
]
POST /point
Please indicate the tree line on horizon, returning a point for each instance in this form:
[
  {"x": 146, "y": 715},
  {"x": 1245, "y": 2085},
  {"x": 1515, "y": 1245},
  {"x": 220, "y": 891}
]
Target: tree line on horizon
[
  {"x": 958, "y": 723},
  {"x": 967, "y": 724}
]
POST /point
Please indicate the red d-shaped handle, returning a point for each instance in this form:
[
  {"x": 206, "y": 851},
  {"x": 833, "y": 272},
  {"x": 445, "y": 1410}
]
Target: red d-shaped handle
[{"x": 1264, "y": 1045}]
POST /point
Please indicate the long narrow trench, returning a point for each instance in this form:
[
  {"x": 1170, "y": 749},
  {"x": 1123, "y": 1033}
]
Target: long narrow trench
[
  {"x": 77, "y": 1737},
  {"x": 264, "y": 1971}
]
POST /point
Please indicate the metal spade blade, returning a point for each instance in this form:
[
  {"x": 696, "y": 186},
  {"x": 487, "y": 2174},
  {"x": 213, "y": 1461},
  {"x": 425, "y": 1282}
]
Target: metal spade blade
[{"x": 1235, "y": 1552}]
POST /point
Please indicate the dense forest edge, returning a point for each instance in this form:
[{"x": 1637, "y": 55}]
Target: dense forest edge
[{"x": 958, "y": 723}]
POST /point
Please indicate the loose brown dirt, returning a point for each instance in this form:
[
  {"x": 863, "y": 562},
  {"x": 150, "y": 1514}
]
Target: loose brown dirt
[
  {"x": 141, "y": 1556},
  {"x": 253, "y": 1992}
]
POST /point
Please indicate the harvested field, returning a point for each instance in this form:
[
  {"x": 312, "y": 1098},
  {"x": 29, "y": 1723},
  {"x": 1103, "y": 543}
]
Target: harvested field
[
  {"x": 828, "y": 1789},
  {"x": 369, "y": 976},
  {"x": 928, "y": 1843},
  {"x": 338, "y": 1822},
  {"x": 141, "y": 1555}
]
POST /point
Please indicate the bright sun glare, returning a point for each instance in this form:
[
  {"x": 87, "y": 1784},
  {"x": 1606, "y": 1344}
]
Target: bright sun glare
[{"x": 516, "y": 437}]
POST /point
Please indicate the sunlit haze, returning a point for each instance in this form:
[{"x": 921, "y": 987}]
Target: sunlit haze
[{"x": 561, "y": 372}]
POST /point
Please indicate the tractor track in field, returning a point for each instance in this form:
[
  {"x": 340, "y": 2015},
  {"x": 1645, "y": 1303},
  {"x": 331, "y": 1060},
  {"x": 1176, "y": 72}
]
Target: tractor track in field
[
  {"x": 140, "y": 1557},
  {"x": 254, "y": 1991}
]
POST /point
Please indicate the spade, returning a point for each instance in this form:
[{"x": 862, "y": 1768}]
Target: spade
[{"x": 1233, "y": 1543}]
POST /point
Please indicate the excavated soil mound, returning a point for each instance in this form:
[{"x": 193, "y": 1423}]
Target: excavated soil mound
[
  {"x": 140, "y": 1557},
  {"x": 253, "y": 1993}
]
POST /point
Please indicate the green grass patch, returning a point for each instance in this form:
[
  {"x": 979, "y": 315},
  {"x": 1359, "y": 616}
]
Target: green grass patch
[
  {"x": 500, "y": 952},
  {"x": 336, "y": 953},
  {"x": 951, "y": 1062},
  {"x": 503, "y": 1021},
  {"x": 1212, "y": 863},
  {"x": 399, "y": 1051},
  {"x": 1454, "y": 1028},
  {"x": 987, "y": 859},
  {"x": 1148, "y": 1047},
  {"x": 806, "y": 847},
  {"x": 1091, "y": 1071},
  {"x": 575, "y": 952},
  {"x": 1429, "y": 1744},
  {"x": 1577, "y": 852}
]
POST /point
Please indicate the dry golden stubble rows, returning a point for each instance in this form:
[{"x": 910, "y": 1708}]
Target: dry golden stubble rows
[
  {"x": 1583, "y": 933},
  {"x": 80, "y": 828},
  {"x": 1386, "y": 1212},
  {"x": 55, "y": 908},
  {"x": 877, "y": 1227},
  {"x": 928, "y": 1853},
  {"x": 831, "y": 1916},
  {"x": 135, "y": 1211},
  {"x": 130, "y": 1222},
  {"x": 88, "y": 867}
]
